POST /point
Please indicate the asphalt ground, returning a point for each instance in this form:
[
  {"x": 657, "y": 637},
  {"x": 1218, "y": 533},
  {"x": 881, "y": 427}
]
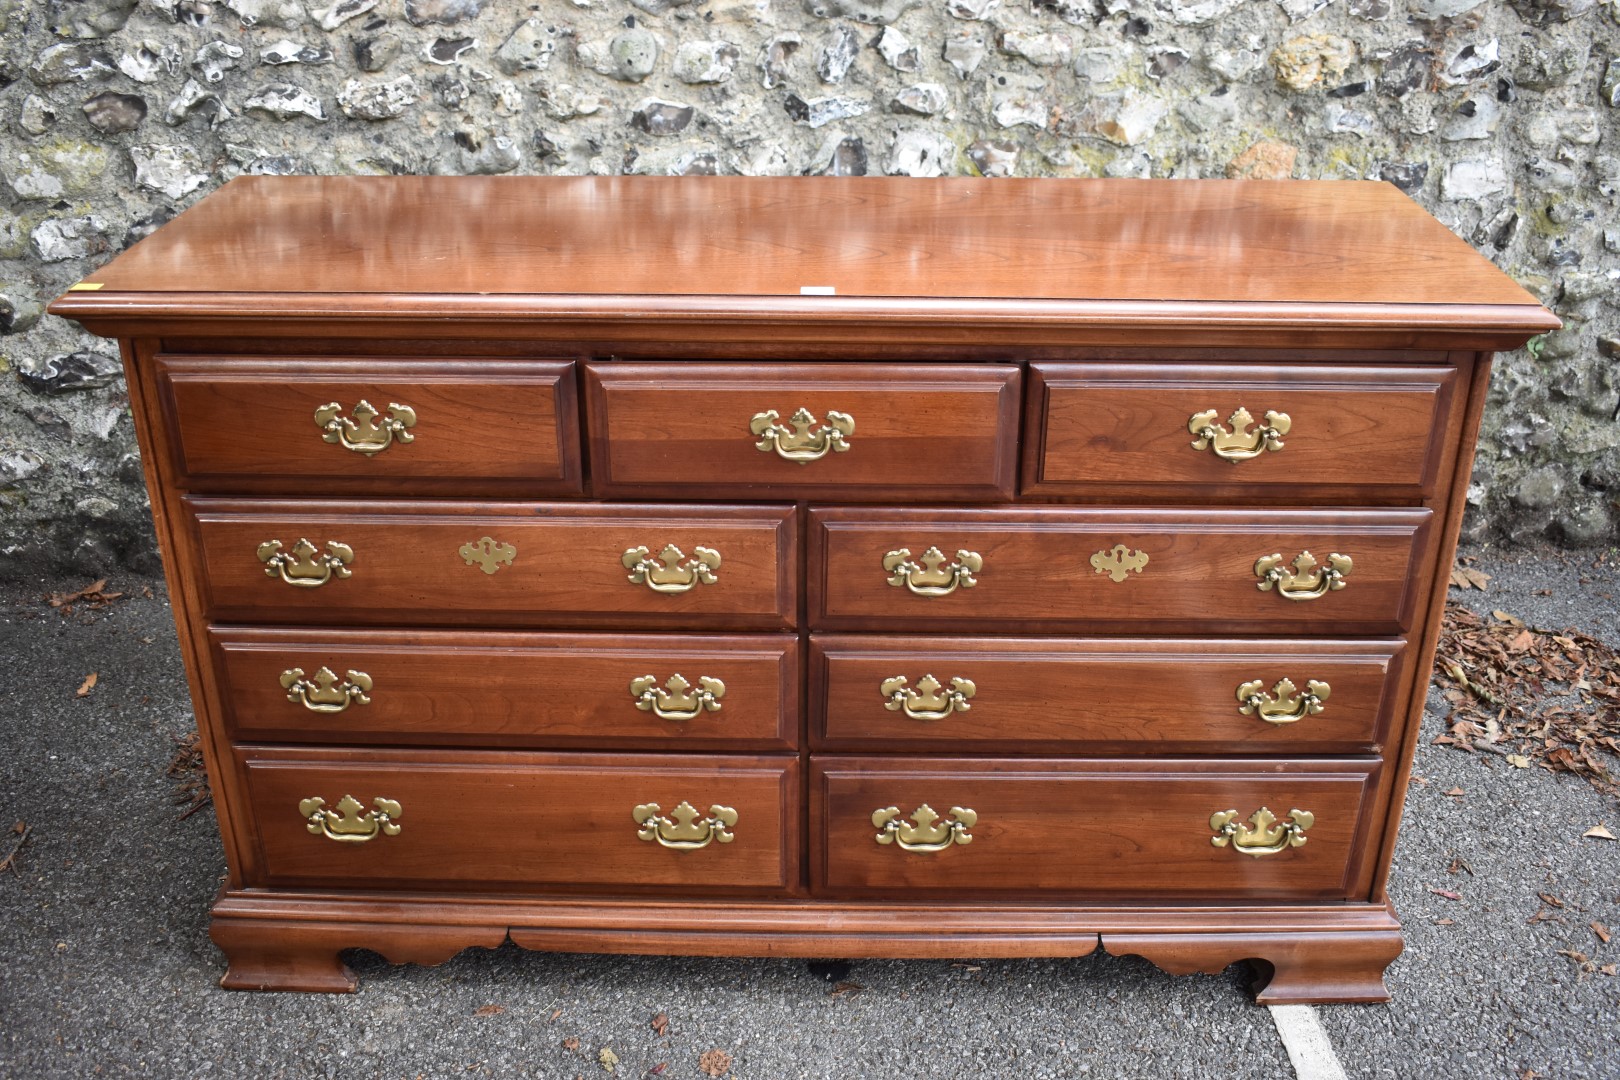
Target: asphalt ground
[{"x": 106, "y": 968}]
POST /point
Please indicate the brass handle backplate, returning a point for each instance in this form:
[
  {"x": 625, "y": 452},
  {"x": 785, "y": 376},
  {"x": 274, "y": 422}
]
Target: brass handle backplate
[
  {"x": 682, "y": 830},
  {"x": 1286, "y": 703},
  {"x": 306, "y": 565},
  {"x": 798, "y": 443},
  {"x": 676, "y": 699},
  {"x": 929, "y": 700},
  {"x": 1238, "y": 444},
  {"x": 324, "y": 692},
  {"x": 1303, "y": 579},
  {"x": 347, "y": 824},
  {"x": 930, "y": 576},
  {"x": 1262, "y": 834},
  {"x": 672, "y": 571},
  {"x": 926, "y": 831},
  {"x": 366, "y": 434}
]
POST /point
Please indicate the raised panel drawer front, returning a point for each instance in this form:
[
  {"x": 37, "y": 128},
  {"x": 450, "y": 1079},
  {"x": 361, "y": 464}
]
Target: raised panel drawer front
[
  {"x": 349, "y": 424},
  {"x": 497, "y": 564},
  {"x": 493, "y": 821},
  {"x": 519, "y": 690},
  {"x": 1100, "y": 696},
  {"x": 878, "y": 432},
  {"x": 1295, "y": 431},
  {"x": 968, "y": 827},
  {"x": 1194, "y": 571}
]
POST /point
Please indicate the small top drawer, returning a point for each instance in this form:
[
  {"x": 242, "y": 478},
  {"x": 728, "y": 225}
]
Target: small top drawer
[
  {"x": 358, "y": 425},
  {"x": 869, "y": 432},
  {"x": 1310, "y": 433}
]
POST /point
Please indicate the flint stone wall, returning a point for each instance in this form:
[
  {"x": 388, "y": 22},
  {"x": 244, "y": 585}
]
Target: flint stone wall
[{"x": 1500, "y": 117}]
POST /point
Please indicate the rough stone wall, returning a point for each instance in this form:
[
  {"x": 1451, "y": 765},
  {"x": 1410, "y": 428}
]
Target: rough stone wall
[{"x": 1500, "y": 117}]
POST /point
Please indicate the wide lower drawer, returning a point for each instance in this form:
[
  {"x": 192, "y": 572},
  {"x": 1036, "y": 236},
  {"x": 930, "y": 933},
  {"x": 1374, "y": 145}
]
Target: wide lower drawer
[
  {"x": 1205, "y": 571},
  {"x": 1148, "y": 829},
  {"x": 865, "y": 432},
  {"x": 520, "y": 690},
  {"x": 497, "y": 564},
  {"x": 1103, "y": 696},
  {"x": 490, "y": 821},
  {"x": 348, "y": 424}
]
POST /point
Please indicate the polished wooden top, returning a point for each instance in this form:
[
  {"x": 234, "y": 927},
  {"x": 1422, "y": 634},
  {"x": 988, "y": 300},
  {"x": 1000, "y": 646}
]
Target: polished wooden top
[{"x": 426, "y": 245}]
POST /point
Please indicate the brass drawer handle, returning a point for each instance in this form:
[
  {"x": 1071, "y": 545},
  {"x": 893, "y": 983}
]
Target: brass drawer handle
[
  {"x": 1238, "y": 444},
  {"x": 685, "y": 832},
  {"x": 799, "y": 443},
  {"x": 306, "y": 566},
  {"x": 926, "y": 831},
  {"x": 324, "y": 692},
  {"x": 930, "y": 700},
  {"x": 676, "y": 700},
  {"x": 932, "y": 577},
  {"x": 1307, "y": 580},
  {"x": 672, "y": 571},
  {"x": 364, "y": 434},
  {"x": 1262, "y": 834},
  {"x": 347, "y": 824},
  {"x": 1285, "y": 704}
]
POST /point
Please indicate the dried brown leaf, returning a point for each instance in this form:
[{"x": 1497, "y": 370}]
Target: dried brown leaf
[
  {"x": 489, "y": 1010},
  {"x": 845, "y": 989},
  {"x": 1447, "y": 893},
  {"x": 714, "y": 1062},
  {"x": 1603, "y": 933},
  {"x": 660, "y": 1023},
  {"x": 1459, "y": 865},
  {"x": 1502, "y": 616},
  {"x": 88, "y": 685},
  {"x": 571, "y": 1043},
  {"x": 1599, "y": 832},
  {"x": 1455, "y": 793},
  {"x": 1549, "y": 899}
]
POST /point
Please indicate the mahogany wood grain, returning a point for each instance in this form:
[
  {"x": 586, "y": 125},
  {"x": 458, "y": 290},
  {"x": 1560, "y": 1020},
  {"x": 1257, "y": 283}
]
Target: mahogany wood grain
[
  {"x": 1308, "y": 968},
  {"x": 518, "y": 690},
  {"x": 248, "y": 423},
  {"x": 1128, "y": 830},
  {"x": 481, "y": 822},
  {"x": 407, "y": 569},
  {"x": 923, "y": 432},
  {"x": 1130, "y": 696}
]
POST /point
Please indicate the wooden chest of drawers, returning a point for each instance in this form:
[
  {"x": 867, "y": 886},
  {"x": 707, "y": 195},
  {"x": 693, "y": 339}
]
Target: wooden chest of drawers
[{"x": 789, "y": 567}]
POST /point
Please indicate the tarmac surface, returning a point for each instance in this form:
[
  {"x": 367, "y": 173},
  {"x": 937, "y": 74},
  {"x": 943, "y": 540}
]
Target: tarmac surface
[{"x": 106, "y": 968}]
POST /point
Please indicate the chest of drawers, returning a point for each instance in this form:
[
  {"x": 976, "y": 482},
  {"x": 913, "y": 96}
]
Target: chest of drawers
[{"x": 809, "y": 568}]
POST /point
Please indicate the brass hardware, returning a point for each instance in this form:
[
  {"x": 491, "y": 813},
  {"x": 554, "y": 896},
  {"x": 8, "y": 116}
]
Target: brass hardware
[
  {"x": 1239, "y": 444},
  {"x": 364, "y": 434},
  {"x": 305, "y": 565},
  {"x": 1119, "y": 561},
  {"x": 800, "y": 444},
  {"x": 930, "y": 700},
  {"x": 324, "y": 692},
  {"x": 1307, "y": 580},
  {"x": 85, "y": 286},
  {"x": 1262, "y": 834},
  {"x": 930, "y": 833},
  {"x": 676, "y": 700},
  {"x": 347, "y": 824},
  {"x": 672, "y": 571},
  {"x": 488, "y": 554},
  {"x": 1285, "y": 704},
  {"x": 685, "y": 832},
  {"x": 932, "y": 578}
]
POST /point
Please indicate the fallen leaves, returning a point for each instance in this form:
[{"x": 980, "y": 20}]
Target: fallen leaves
[
  {"x": 190, "y": 773},
  {"x": 1446, "y": 893},
  {"x": 20, "y": 831},
  {"x": 489, "y": 1010},
  {"x": 94, "y": 595},
  {"x": 845, "y": 989},
  {"x": 660, "y": 1023},
  {"x": 571, "y": 1043},
  {"x": 714, "y": 1062},
  {"x": 85, "y": 687},
  {"x": 1466, "y": 577},
  {"x": 1603, "y": 933},
  {"x": 1598, "y": 832}
]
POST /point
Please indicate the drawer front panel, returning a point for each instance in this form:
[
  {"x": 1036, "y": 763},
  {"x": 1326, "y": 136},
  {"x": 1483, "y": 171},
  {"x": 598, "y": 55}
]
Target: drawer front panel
[
  {"x": 497, "y": 564},
  {"x": 944, "y": 432},
  {"x": 1170, "y": 571},
  {"x": 485, "y": 821},
  {"x": 1103, "y": 697},
  {"x": 245, "y": 424},
  {"x": 1374, "y": 430},
  {"x": 436, "y": 688},
  {"x": 1119, "y": 829}
]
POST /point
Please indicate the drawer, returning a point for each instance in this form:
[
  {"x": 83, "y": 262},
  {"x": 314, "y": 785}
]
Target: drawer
[
  {"x": 1103, "y": 696},
  {"x": 468, "y": 688},
  {"x": 1342, "y": 433},
  {"x": 869, "y": 432},
  {"x": 493, "y": 821},
  {"x": 497, "y": 564},
  {"x": 1190, "y": 571},
  {"x": 434, "y": 426},
  {"x": 1124, "y": 830}
]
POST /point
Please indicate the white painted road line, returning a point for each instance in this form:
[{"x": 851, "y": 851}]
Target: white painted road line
[{"x": 1307, "y": 1044}]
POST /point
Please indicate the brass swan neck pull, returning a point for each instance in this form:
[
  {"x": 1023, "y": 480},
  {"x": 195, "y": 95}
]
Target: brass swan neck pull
[
  {"x": 930, "y": 576},
  {"x": 676, "y": 699},
  {"x": 1286, "y": 703},
  {"x": 366, "y": 434},
  {"x": 1262, "y": 834},
  {"x": 347, "y": 824},
  {"x": 798, "y": 443},
  {"x": 682, "y": 831},
  {"x": 1238, "y": 444},
  {"x": 926, "y": 831},
  {"x": 672, "y": 571},
  {"x": 929, "y": 700},
  {"x": 324, "y": 692},
  {"x": 1303, "y": 579},
  {"x": 306, "y": 566}
]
